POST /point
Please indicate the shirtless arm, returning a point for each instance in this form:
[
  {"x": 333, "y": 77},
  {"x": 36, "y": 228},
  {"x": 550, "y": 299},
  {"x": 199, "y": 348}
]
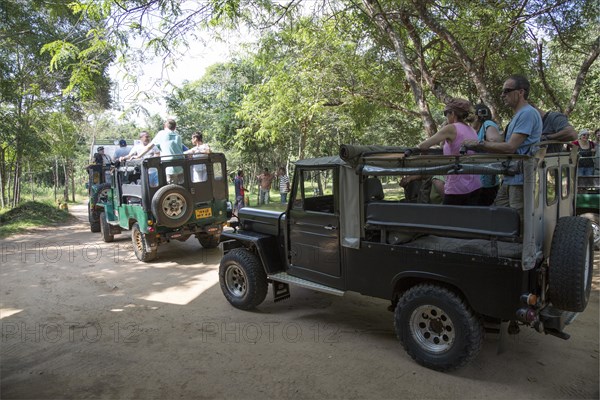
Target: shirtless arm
[{"x": 448, "y": 132}]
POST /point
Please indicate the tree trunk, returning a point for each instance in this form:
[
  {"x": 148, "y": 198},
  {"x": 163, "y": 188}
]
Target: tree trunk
[
  {"x": 9, "y": 180},
  {"x": 66, "y": 175},
  {"x": 378, "y": 16},
  {"x": 55, "y": 173},
  {"x": 72, "y": 180},
  {"x": 469, "y": 65},
  {"x": 438, "y": 91},
  {"x": 31, "y": 180},
  {"x": 16, "y": 184},
  {"x": 583, "y": 71},
  {"x": 542, "y": 74},
  {"x": 2, "y": 176}
]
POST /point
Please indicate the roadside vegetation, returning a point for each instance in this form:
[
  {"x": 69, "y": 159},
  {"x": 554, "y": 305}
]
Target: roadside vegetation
[{"x": 29, "y": 215}]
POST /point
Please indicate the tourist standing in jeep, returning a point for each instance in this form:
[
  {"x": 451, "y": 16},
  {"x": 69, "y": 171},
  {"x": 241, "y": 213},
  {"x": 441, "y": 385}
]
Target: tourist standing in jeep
[
  {"x": 522, "y": 133},
  {"x": 137, "y": 149},
  {"x": 170, "y": 146}
]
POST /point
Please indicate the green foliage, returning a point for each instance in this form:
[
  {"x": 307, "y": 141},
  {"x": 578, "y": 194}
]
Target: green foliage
[{"x": 322, "y": 73}]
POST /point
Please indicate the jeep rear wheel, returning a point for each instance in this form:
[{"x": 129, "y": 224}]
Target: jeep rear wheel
[
  {"x": 571, "y": 264},
  {"x": 243, "y": 279},
  {"x": 208, "y": 241},
  {"x": 105, "y": 229},
  {"x": 94, "y": 220},
  {"x": 172, "y": 206},
  {"x": 436, "y": 328},
  {"x": 144, "y": 246}
]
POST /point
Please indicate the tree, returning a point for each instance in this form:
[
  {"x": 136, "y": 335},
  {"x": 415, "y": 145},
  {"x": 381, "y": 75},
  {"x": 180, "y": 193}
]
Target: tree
[
  {"x": 29, "y": 89},
  {"x": 315, "y": 93}
]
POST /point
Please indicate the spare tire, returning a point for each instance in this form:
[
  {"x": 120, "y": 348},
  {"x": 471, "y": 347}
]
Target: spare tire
[
  {"x": 595, "y": 220},
  {"x": 571, "y": 264},
  {"x": 101, "y": 194},
  {"x": 172, "y": 206}
]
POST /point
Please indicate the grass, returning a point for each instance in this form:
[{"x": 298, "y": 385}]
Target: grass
[{"x": 29, "y": 215}]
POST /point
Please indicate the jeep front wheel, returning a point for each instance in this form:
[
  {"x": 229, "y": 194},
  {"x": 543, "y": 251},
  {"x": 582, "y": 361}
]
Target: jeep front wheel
[
  {"x": 172, "y": 206},
  {"x": 571, "y": 264},
  {"x": 243, "y": 279},
  {"x": 144, "y": 246},
  {"x": 436, "y": 328}
]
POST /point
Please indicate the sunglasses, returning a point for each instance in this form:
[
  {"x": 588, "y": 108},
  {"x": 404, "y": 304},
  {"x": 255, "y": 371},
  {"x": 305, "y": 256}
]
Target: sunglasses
[
  {"x": 508, "y": 90},
  {"x": 447, "y": 112}
]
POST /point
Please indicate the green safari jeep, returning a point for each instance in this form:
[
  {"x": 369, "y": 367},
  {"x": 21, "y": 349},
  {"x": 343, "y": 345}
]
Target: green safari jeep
[
  {"x": 99, "y": 179},
  {"x": 588, "y": 202},
  {"x": 161, "y": 199}
]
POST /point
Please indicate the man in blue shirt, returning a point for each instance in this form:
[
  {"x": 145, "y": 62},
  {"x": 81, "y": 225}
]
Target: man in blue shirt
[
  {"x": 522, "y": 133},
  {"x": 168, "y": 142}
]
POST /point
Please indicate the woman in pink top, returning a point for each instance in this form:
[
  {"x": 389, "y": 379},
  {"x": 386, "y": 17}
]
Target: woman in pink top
[{"x": 459, "y": 189}]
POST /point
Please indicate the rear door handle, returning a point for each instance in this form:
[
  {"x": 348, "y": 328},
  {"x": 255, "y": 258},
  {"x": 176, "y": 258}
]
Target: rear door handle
[{"x": 330, "y": 227}]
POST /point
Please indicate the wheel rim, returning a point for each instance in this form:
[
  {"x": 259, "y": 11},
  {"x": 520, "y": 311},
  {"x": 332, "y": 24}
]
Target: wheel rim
[
  {"x": 137, "y": 238},
  {"x": 596, "y": 233},
  {"x": 174, "y": 205},
  {"x": 432, "y": 328},
  {"x": 235, "y": 280}
]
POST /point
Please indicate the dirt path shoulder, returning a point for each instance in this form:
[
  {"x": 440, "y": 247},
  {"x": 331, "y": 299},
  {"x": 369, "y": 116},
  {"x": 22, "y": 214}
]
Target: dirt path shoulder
[{"x": 84, "y": 319}]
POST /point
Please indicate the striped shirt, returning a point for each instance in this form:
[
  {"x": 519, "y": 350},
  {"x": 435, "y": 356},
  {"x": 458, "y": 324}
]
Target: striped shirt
[{"x": 284, "y": 184}]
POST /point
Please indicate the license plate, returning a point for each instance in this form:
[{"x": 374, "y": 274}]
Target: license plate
[{"x": 203, "y": 213}]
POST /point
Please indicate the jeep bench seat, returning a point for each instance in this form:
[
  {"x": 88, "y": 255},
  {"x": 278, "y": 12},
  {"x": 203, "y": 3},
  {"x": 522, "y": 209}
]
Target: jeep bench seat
[{"x": 474, "y": 229}]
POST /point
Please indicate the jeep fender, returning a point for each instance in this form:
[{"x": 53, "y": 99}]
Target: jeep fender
[
  {"x": 265, "y": 246},
  {"x": 407, "y": 279}
]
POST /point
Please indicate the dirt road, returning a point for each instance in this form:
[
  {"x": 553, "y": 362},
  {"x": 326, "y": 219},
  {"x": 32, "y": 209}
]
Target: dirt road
[{"x": 83, "y": 319}]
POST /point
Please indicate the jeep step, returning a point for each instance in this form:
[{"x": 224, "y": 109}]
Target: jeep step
[{"x": 286, "y": 278}]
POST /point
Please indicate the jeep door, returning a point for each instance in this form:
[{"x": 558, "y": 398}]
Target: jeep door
[{"x": 314, "y": 226}]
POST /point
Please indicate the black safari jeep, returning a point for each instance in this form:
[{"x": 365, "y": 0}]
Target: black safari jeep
[
  {"x": 165, "y": 198},
  {"x": 449, "y": 272},
  {"x": 99, "y": 180}
]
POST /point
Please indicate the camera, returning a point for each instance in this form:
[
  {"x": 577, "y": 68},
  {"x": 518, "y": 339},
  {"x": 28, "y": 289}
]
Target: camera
[{"x": 482, "y": 112}]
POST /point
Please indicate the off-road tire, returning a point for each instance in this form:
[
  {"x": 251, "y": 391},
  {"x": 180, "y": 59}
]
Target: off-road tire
[
  {"x": 595, "y": 220},
  {"x": 571, "y": 264},
  {"x": 208, "y": 241},
  {"x": 243, "y": 279},
  {"x": 437, "y": 328},
  {"x": 105, "y": 229},
  {"x": 172, "y": 206},
  {"x": 94, "y": 220},
  {"x": 144, "y": 246}
]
